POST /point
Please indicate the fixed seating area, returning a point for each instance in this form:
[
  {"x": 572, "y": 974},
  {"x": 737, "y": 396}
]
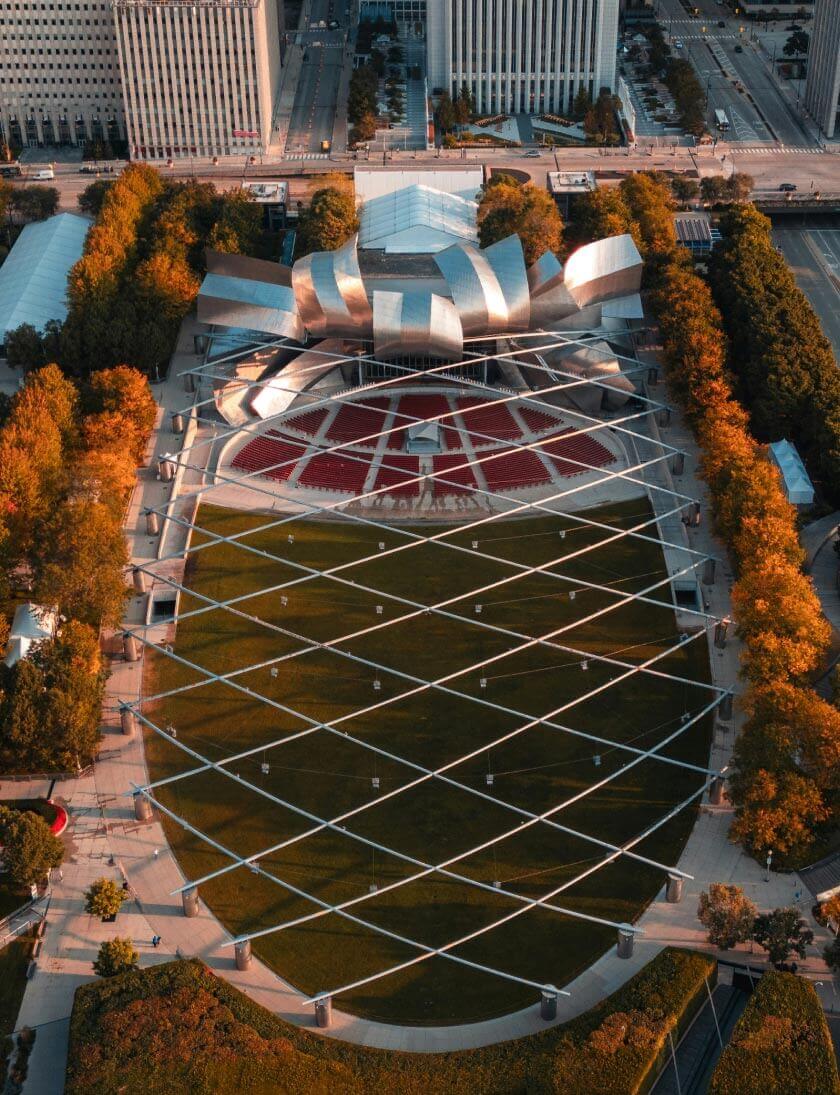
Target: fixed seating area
[
  {"x": 582, "y": 448},
  {"x": 263, "y": 454},
  {"x": 421, "y": 407},
  {"x": 400, "y": 469},
  {"x": 514, "y": 468},
  {"x": 309, "y": 422},
  {"x": 358, "y": 420},
  {"x": 536, "y": 420},
  {"x": 458, "y": 481},
  {"x": 331, "y": 471},
  {"x": 494, "y": 420}
]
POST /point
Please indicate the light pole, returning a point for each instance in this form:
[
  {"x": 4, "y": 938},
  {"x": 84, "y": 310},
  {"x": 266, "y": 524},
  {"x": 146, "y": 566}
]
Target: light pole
[{"x": 769, "y": 861}]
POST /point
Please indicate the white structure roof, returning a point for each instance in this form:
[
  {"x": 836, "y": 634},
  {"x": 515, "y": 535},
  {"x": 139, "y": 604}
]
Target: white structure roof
[
  {"x": 374, "y": 182},
  {"x": 31, "y": 625},
  {"x": 417, "y": 220},
  {"x": 798, "y": 486},
  {"x": 33, "y": 279}
]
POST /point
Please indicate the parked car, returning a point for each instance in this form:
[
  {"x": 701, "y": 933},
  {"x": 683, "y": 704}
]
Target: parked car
[
  {"x": 787, "y": 187},
  {"x": 677, "y": 44},
  {"x": 739, "y": 49},
  {"x": 532, "y": 152},
  {"x": 87, "y": 169},
  {"x": 721, "y": 23},
  {"x": 42, "y": 174}
]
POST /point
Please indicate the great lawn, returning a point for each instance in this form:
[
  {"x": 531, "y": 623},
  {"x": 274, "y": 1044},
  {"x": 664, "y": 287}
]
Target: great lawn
[{"x": 325, "y": 774}]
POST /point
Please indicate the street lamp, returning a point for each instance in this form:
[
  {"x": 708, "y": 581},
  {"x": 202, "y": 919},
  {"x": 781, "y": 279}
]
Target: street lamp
[{"x": 769, "y": 861}]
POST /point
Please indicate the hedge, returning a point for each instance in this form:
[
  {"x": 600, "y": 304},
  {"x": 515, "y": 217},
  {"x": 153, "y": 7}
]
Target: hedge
[
  {"x": 781, "y": 1044},
  {"x": 178, "y": 1028}
]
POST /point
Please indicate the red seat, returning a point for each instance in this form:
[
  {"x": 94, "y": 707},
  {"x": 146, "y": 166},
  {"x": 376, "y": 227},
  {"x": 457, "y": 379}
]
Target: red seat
[
  {"x": 358, "y": 420},
  {"x": 399, "y": 469},
  {"x": 459, "y": 475}
]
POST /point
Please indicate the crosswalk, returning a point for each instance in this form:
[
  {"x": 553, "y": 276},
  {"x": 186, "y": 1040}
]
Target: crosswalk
[
  {"x": 776, "y": 150},
  {"x": 306, "y": 155}
]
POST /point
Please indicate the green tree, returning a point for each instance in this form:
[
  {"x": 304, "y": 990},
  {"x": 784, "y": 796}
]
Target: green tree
[
  {"x": 582, "y": 103},
  {"x": 92, "y": 197},
  {"x": 797, "y": 44},
  {"x": 727, "y": 914},
  {"x": 21, "y": 726},
  {"x": 24, "y": 348},
  {"x": 104, "y": 898},
  {"x": 328, "y": 223},
  {"x": 831, "y": 954},
  {"x": 685, "y": 190},
  {"x": 34, "y": 203},
  {"x": 116, "y": 956},
  {"x": 30, "y": 849},
  {"x": 446, "y": 118},
  {"x": 74, "y": 683},
  {"x": 782, "y": 933},
  {"x": 364, "y": 129}
]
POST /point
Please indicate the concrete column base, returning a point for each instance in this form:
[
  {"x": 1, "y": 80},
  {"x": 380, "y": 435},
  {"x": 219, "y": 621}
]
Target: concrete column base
[
  {"x": 626, "y": 941},
  {"x": 243, "y": 954},
  {"x": 548, "y": 1004},
  {"x": 323, "y": 1012},
  {"x": 138, "y": 579},
  {"x": 709, "y": 567},
  {"x": 725, "y": 707},
  {"x": 716, "y": 791},
  {"x": 152, "y": 523},
  {"x": 189, "y": 900},
  {"x": 177, "y": 423},
  {"x": 142, "y": 807},
  {"x": 131, "y": 648},
  {"x": 127, "y": 721},
  {"x": 678, "y": 466},
  {"x": 674, "y": 889}
]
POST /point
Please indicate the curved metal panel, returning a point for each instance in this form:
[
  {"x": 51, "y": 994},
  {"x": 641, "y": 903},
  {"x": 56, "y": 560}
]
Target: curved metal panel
[
  {"x": 418, "y": 323},
  {"x": 604, "y": 269},
  {"x": 475, "y": 289},
  {"x": 544, "y": 274},
  {"x": 330, "y": 293},
  {"x": 507, "y": 261}
]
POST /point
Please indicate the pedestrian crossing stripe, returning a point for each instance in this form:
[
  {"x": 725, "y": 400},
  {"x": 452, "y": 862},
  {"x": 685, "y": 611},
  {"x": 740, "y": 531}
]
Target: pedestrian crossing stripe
[
  {"x": 306, "y": 155},
  {"x": 786, "y": 150}
]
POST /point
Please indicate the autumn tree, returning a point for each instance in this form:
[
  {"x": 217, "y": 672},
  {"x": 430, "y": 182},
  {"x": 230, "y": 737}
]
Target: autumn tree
[
  {"x": 74, "y": 683},
  {"x": 30, "y": 849},
  {"x": 777, "y": 810},
  {"x": 82, "y": 562},
  {"x": 507, "y": 208},
  {"x": 116, "y": 956},
  {"x": 24, "y": 348},
  {"x": 238, "y": 223},
  {"x": 104, "y": 898},
  {"x": 598, "y": 214},
  {"x": 125, "y": 392},
  {"x": 92, "y": 197},
  {"x": 782, "y": 933},
  {"x": 727, "y": 914}
]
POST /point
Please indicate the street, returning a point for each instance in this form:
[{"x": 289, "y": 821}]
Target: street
[
  {"x": 316, "y": 98},
  {"x": 759, "y": 113},
  {"x": 814, "y": 256}
]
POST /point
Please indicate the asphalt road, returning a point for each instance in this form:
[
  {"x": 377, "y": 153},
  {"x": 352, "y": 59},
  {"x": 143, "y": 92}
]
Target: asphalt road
[
  {"x": 814, "y": 254},
  {"x": 316, "y": 98},
  {"x": 770, "y": 116}
]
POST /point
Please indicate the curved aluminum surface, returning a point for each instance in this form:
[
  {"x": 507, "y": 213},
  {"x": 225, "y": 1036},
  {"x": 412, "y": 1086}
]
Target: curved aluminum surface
[
  {"x": 604, "y": 269},
  {"x": 330, "y": 293},
  {"x": 226, "y": 300},
  {"x": 507, "y": 261},
  {"x": 416, "y": 323},
  {"x": 544, "y": 274},
  {"x": 475, "y": 289}
]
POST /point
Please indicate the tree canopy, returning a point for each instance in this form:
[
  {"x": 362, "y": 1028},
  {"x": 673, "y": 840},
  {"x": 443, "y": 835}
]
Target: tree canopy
[
  {"x": 30, "y": 849},
  {"x": 506, "y": 207}
]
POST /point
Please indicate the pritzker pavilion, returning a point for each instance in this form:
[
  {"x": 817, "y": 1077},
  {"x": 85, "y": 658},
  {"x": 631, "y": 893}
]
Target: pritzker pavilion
[{"x": 429, "y": 712}]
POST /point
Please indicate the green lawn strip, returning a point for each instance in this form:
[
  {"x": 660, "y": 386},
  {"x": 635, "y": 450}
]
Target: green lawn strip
[
  {"x": 781, "y": 1045},
  {"x": 325, "y": 774},
  {"x": 179, "y": 1028}
]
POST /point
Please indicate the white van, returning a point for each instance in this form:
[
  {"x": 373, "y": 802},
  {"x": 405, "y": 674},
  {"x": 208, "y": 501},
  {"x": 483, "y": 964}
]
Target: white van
[{"x": 42, "y": 173}]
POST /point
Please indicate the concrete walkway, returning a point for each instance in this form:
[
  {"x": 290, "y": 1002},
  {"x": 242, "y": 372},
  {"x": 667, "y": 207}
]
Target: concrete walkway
[{"x": 104, "y": 839}]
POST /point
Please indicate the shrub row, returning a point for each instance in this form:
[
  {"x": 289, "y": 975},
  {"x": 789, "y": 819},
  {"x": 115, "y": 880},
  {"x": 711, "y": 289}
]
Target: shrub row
[
  {"x": 787, "y": 759},
  {"x": 176, "y": 1027},
  {"x": 780, "y": 1044}
]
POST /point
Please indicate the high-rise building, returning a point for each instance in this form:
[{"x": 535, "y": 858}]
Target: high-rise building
[
  {"x": 59, "y": 76},
  {"x": 822, "y": 84},
  {"x": 200, "y": 77},
  {"x": 522, "y": 56}
]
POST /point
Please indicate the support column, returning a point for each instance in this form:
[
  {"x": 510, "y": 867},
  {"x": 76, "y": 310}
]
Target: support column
[
  {"x": 725, "y": 707},
  {"x": 138, "y": 578},
  {"x": 189, "y": 900},
  {"x": 152, "y": 522},
  {"x": 716, "y": 791},
  {"x": 626, "y": 938},
  {"x": 548, "y": 1004},
  {"x": 177, "y": 422},
  {"x": 721, "y": 628},
  {"x": 663, "y": 418},
  {"x": 131, "y": 648},
  {"x": 127, "y": 721},
  {"x": 674, "y": 889},
  {"x": 695, "y": 514},
  {"x": 243, "y": 954},
  {"x": 653, "y": 375},
  {"x": 678, "y": 465},
  {"x": 142, "y": 807},
  {"x": 189, "y": 379},
  {"x": 166, "y": 468},
  {"x": 323, "y": 1012},
  {"x": 709, "y": 567}
]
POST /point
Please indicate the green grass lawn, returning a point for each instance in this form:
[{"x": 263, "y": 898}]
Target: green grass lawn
[{"x": 325, "y": 774}]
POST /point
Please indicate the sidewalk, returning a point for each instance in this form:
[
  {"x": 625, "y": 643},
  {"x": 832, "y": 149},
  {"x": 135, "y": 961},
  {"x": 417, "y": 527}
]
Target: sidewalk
[{"x": 103, "y": 826}]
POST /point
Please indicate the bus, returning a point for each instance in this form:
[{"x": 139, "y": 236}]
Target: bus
[{"x": 721, "y": 121}]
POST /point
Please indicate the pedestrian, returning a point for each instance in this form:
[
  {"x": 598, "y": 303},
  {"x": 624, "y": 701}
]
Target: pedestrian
[
  {"x": 156, "y": 853},
  {"x": 155, "y": 941}
]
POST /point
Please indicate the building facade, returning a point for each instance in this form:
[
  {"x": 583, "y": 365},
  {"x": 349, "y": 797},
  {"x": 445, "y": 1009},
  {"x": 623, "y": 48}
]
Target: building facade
[
  {"x": 822, "y": 84},
  {"x": 200, "y": 77},
  {"x": 522, "y": 56},
  {"x": 59, "y": 75}
]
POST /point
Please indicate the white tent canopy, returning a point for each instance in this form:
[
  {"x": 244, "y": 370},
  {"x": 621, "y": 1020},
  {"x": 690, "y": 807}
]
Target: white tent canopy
[
  {"x": 798, "y": 486},
  {"x": 417, "y": 220},
  {"x": 32, "y": 625},
  {"x": 33, "y": 279}
]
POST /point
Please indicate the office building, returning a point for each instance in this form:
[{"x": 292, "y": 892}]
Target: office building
[
  {"x": 200, "y": 77},
  {"x": 822, "y": 84},
  {"x": 59, "y": 76},
  {"x": 522, "y": 56}
]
